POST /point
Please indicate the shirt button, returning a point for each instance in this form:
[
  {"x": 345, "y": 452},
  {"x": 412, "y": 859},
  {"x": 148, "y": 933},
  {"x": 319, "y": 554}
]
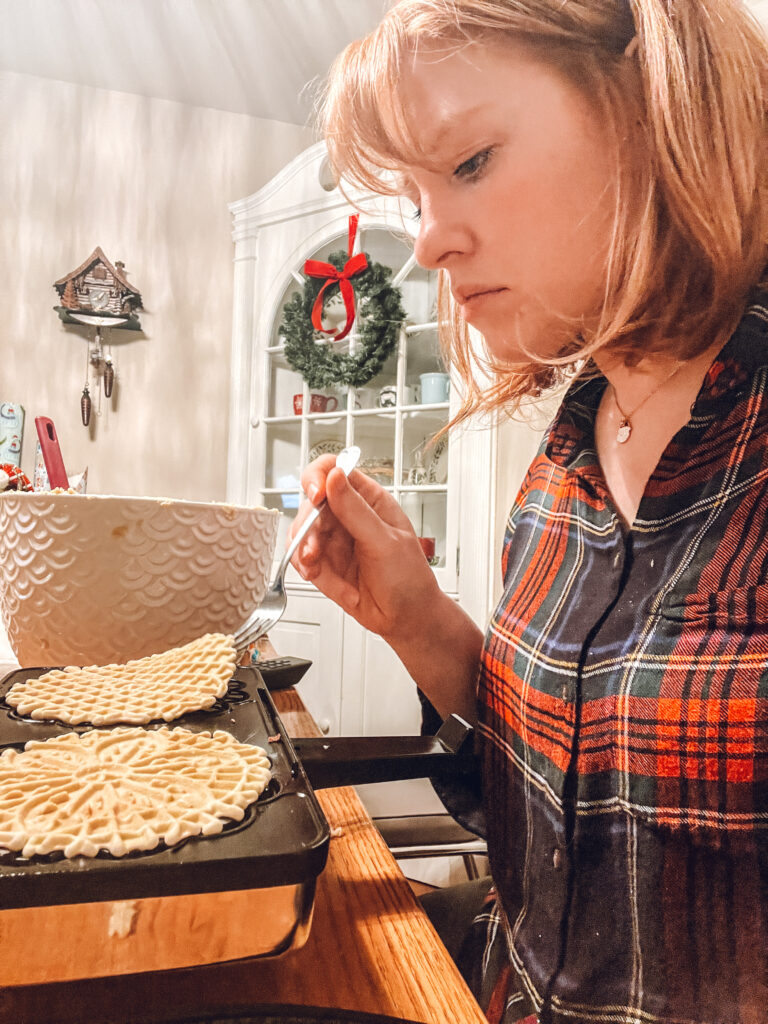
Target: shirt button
[
  {"x": 617, "y": 560},
  {"x": 564, "y": 692},
  {"x": 557, "y": 858}
]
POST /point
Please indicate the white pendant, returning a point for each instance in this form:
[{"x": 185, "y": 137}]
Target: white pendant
[{"x": 624, "y": 431}]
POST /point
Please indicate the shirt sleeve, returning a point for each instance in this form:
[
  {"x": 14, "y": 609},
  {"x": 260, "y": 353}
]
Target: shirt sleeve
[{"x": 462, "y": 797}]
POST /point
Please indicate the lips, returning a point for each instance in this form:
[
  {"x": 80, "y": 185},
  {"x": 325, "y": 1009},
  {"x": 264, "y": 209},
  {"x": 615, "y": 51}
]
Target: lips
[{"x": 469, "y": 292}]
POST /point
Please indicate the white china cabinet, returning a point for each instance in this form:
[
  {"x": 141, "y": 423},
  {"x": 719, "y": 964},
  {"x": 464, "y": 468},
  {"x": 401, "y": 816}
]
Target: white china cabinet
[{"x": 451, "y": 491}]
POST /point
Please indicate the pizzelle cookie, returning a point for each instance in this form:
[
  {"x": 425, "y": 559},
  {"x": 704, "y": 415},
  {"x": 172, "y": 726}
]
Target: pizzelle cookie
[
  {"x": 124, "y": 789},
  {"x": 162, "y": 686}
]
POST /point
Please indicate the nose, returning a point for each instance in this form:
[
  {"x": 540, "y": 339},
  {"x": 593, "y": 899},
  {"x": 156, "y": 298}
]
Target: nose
[{"x": 443, "y": 232}]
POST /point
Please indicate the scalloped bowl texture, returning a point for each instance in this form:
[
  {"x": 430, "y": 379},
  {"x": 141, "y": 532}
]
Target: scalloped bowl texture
[{"x": 91, "y": 579}]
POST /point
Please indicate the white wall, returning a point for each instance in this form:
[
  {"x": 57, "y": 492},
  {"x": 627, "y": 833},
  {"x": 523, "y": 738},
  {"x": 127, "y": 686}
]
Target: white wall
[{"x": 149, "y": 181}]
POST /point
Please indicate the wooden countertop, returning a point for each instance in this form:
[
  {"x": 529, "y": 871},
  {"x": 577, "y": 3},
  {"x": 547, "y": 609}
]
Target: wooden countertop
[{"x": 371, "y": 947}]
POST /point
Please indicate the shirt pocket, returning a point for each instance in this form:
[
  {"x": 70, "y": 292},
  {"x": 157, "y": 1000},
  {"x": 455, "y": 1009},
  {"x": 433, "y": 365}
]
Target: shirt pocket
[
  {"x": 737, "y": 608},
  {"x": 704, "y": 721}
]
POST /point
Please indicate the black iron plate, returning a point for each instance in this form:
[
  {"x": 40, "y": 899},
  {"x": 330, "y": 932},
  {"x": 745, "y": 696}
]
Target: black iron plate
[{"x": 282, "y": 840}]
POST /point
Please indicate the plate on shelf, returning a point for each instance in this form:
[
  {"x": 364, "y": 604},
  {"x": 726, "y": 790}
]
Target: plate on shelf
[
  {"x": 380, "y": 470},
  {"x": 329, "y": 447}
]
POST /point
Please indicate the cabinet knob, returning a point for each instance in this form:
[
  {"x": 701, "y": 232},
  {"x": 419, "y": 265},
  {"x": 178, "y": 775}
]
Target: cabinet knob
[
  {"x": 255, "y": 421},
  {"x": 325, "y": 726}
]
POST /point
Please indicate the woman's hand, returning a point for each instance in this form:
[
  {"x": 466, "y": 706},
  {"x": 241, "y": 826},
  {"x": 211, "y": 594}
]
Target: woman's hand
[{"x": 363, "y": 552}]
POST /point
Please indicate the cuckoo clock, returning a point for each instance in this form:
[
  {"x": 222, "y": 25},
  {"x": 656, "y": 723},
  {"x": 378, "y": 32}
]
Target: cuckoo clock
[
  {"x": 99, "y": 295},
  {"x": 99, "y": 288}
]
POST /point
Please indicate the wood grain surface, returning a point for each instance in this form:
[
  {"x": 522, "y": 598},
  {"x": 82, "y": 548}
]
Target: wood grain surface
[{"x": 370, "y": 948}]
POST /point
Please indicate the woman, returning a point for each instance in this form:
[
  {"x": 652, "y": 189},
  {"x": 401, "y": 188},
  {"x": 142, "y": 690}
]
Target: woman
[{"x": 591, "y": 181}]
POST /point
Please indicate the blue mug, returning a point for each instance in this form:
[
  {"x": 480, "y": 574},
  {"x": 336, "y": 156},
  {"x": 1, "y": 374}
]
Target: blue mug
[{"x": 435, "y": 387}]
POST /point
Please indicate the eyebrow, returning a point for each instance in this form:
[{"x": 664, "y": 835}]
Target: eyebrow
[{"x": 450, "y": 124}]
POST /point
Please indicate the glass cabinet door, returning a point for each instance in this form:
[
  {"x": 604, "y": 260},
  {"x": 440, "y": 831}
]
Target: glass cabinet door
[{"x": 394, "y": 418}]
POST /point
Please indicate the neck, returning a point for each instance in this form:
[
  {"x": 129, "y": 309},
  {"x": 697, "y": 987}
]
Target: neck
[
  {"x": 656, "y": 398},
  {"x": 655, "y": 378}
]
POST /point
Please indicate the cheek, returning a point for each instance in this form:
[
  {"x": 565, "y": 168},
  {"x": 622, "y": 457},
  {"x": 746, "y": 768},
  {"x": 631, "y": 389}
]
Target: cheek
[{"x": 565, "y": 225}]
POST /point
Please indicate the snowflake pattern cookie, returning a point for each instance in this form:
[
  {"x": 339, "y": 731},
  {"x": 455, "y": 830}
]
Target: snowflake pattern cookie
[
  {"x": 124, "y": 789},
  {"x": 162, "y": 686}
]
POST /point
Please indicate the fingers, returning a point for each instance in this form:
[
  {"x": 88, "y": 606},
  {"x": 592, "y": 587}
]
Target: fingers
[
  {"x": 313, "y": 477},
  {"x": 316, "y": 545},
  {"x": 361, "y": 506},
  {"x": 359, "y": 512},
  {"x": 346, "y": 595}
]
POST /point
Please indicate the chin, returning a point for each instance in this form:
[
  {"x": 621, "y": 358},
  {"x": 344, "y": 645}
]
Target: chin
[
  {"x": 503, "y": 348},
  {"x": 519, "y": 341}
]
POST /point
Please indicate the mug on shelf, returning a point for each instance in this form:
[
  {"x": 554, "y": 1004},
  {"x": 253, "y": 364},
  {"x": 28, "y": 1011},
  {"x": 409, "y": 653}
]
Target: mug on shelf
[
  {"x": 428, "y": 547},
  {"x": 366, "y": 397},
  {"x": 361, "y": 398},
  {"x": 388, "y": 396},
  {"x": 317, "y": 403},
  {"x": 347, "y": 401},
  {"x": 435, "y": 387}
]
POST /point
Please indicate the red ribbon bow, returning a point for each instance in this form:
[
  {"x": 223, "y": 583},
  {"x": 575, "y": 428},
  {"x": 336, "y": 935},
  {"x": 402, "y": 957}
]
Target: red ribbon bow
[{"x": 354, "y": 265}]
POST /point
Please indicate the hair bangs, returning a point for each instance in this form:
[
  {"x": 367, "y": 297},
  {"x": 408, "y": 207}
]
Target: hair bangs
[{"x": 364, "y": 121}]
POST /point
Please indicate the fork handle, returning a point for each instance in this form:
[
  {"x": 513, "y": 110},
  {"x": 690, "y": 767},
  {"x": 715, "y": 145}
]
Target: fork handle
[
  {"x": 346, "y": 460},
  {"x": 300, "y": 535}
]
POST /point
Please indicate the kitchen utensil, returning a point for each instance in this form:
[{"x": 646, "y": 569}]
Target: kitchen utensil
[
  {"x": 288, "y": 836},
  {"x": 271, "y": 858},
  {"x": 273, "y": 604},
  {"x": 49, "y": 444},
  {"x": 88, "y": 579}
]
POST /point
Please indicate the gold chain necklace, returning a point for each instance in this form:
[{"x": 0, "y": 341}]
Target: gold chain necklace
[{"x": 624, "y": 432}]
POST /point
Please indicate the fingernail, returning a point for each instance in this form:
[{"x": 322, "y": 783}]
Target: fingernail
[{"x": 312, "y": 492}]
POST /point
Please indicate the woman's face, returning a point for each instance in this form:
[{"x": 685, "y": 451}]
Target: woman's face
[{"x": 516, "y": 192}]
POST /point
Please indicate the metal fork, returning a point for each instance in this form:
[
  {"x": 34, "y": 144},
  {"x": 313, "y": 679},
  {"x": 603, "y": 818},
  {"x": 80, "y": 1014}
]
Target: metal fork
[{"x": 271, "y": 609}]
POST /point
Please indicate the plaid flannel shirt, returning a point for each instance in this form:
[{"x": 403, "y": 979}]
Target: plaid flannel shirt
[{"x": 623, "y": 701}]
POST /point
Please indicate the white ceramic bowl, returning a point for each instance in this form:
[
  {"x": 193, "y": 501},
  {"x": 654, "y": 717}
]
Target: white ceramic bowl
[{"x": 89, "y": 579}]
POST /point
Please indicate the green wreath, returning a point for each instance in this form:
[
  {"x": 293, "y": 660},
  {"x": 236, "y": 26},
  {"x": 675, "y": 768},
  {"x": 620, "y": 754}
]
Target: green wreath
[{"x": 380, "y": 315}]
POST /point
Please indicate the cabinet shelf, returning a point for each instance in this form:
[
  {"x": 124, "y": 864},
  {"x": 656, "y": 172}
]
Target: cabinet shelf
[
  {"x": 323, "y": 417},
  {"x": 423, "y": 488},
  {"x": 412, "y": 411},
  {"x": 379, "y": 410},
  {"x": 426, "y": 407},
  {"x": 432, "y": 325}
]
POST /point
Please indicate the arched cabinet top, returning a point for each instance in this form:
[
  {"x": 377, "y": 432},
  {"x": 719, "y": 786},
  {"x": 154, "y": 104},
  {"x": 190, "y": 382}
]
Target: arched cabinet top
[{"x": 300, "y": 190}]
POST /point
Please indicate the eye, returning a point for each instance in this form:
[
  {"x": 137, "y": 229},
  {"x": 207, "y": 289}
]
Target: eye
[
  {"x": 416, "y": 215},
  {"x": 475, "y": 166}
]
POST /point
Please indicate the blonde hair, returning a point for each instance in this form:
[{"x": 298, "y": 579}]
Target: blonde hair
[{"x": 691, "y": 220}]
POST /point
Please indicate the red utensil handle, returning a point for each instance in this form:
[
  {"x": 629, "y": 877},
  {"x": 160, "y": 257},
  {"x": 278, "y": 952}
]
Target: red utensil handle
[{"x": 49, "y": 443}]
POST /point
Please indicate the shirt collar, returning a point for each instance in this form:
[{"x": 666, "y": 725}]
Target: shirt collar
[{"x": 571, "y": 441}]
